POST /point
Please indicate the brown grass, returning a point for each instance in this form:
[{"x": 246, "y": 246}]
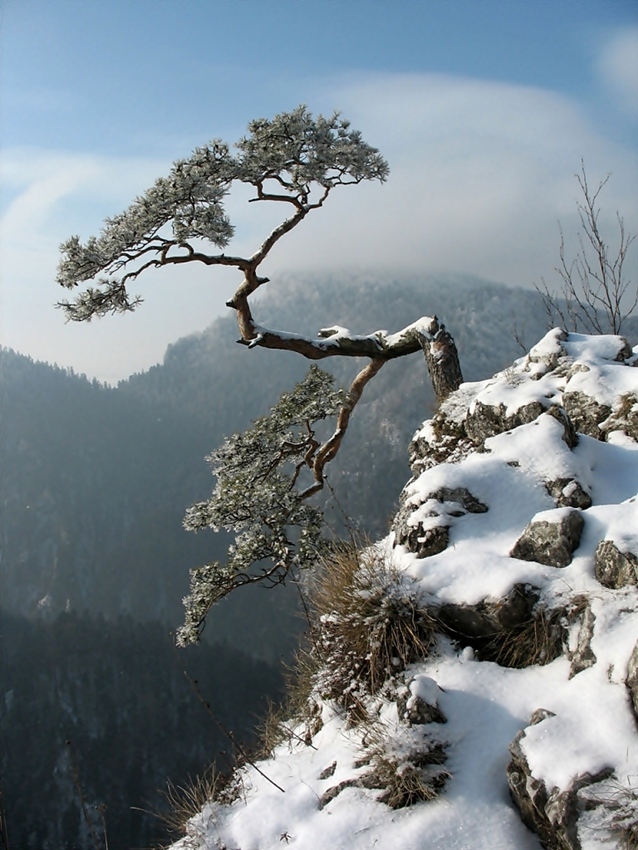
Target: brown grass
[
  {"x": 368, "y": 625},
  {"x": 186, "y": 801}
]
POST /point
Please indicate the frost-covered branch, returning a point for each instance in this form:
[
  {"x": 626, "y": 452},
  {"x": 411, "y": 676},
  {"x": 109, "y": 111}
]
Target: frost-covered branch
[
  {"x": 256, "y": 498},
  {"x": 175, "y": 220}
]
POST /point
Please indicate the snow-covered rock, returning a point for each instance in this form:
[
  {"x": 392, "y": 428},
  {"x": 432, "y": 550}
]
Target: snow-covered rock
[{"x": 515, "y": 726}]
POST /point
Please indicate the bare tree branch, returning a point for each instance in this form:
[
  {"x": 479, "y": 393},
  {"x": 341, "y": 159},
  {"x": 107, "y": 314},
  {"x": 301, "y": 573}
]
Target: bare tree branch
[{"x": 594, "y": 291}]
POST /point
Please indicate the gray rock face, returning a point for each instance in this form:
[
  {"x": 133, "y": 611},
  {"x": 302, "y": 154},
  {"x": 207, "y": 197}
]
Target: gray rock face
[
  {"x": 568, "y": 493},
  {"x": 570, "y": 437},
  {"x": 447, "y": 505},
  {"x": 550, "y": 543},
  {"x": 422, "y": 543},
  {"x": 490, "y": 617},
  {"x": 549, "y": 812},
  {"x": 632, "y": 679},
  {"x": 614, "y": 568},
  {"x": 583, "y": 656},
  {"x": 586, "y": 413},
  {"x": 487, "y": 420},
  {"x": 625, "y": 417}
]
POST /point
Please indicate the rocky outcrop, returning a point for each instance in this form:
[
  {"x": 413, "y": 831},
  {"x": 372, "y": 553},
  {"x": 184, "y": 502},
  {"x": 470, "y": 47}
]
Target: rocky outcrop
[
  {"x": 485, "y": 420},
  {"x": 552, "y": 813},
  {"x": 614, "y": 568},
  {"x": 551, "y": 541},
  {"x": 486, "y": 599},
  {"x": 490, "y": 617}
]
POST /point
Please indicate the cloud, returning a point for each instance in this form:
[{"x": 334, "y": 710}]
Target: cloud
[
  {"x": 618, "y": 67},
  {"x": 480, "y": 173}
]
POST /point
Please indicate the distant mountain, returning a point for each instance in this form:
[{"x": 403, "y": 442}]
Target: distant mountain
[
  {"x": 95, "y": 481},
  {"x": 98, "y": 716}
]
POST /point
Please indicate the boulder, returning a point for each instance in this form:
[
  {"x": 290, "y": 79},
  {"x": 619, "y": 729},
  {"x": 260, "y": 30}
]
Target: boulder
[
  {"x": 551, "y": 541},
  {"x": 486, "y": 420},
  {"x": 615, "y": 569},
  {"x": 551, "y": 813},
  {"x": 489, "y": 617}
]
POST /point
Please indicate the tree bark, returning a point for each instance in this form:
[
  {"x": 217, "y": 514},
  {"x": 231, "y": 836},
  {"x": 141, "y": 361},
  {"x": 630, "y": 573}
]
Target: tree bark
[{"x": 442, "y": 360}]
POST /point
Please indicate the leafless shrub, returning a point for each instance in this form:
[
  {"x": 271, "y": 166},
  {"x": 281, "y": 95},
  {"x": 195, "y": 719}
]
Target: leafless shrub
[{"x": 594, "y": 292}]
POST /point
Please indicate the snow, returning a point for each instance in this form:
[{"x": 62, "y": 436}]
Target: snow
[{"x": 591, "y": 725}]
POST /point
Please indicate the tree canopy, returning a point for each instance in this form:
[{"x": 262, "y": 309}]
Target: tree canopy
[{"x": 294, "y": 160}]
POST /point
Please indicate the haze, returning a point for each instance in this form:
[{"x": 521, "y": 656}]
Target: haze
[{"x": 484, "y": 112}]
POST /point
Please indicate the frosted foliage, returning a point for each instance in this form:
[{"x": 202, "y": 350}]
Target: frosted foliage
[
  {"x": 297, "y": 151},
  {"x": 283, "y": 159},
  {"x": 256, "y": 498}
]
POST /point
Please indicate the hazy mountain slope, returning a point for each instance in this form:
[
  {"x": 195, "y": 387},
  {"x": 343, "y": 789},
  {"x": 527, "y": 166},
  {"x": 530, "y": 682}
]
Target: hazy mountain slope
[
  {"x": 102, "y": 712},
  {"x": 96, "y": 480}
]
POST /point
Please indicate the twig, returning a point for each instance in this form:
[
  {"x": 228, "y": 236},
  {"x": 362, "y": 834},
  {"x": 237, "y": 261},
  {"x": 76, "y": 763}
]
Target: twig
[
  {"x": 78, "y": 786},
  {"x": 228, "y": 734}
]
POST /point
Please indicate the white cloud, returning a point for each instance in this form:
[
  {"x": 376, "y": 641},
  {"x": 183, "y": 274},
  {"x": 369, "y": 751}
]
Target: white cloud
[
  {"x": 618, "y": 66},
  {"x": 480, "y": 174}
]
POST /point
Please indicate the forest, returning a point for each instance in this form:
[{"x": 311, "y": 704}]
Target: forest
[{"x": 95, "y": 561}]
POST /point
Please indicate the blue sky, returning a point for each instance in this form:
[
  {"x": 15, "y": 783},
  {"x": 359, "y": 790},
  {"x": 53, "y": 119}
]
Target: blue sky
[{"x": 483, "y": 108}]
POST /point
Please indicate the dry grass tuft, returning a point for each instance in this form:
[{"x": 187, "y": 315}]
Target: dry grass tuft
[
  {"x": 369, "y": 626},
  {"x": 187, "y": 801},
  {"x": 410, "y": 771},
  {"x": 540, "y": 641},
  {"x": 298, "y": 718}
]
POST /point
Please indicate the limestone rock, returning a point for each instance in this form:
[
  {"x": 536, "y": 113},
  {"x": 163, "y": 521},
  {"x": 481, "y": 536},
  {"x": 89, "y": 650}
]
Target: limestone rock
[
  {"x": 614, "y": 568},
  {"x": 418, "y": 704},
  {"x": 586, "y": 413},
  {"x": 430, "y": 535},
  {"x": 570, "y": 437},
  {"x": 490, "y": 616},
  {"x": 551, "y": 541},
  {"x": 568, "y": 493},
  {"x": 583, "y": 655},
  {"x": 423, "y": 543},
  {"x": 624, "y": 417},
  {"x": 486, "y": 420},
  {"x": 549, "y": 812}
]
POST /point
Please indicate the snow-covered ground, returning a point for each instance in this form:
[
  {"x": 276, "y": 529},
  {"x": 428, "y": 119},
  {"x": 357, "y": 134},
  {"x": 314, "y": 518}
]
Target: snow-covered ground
[{"x": 589, "y": 723}]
